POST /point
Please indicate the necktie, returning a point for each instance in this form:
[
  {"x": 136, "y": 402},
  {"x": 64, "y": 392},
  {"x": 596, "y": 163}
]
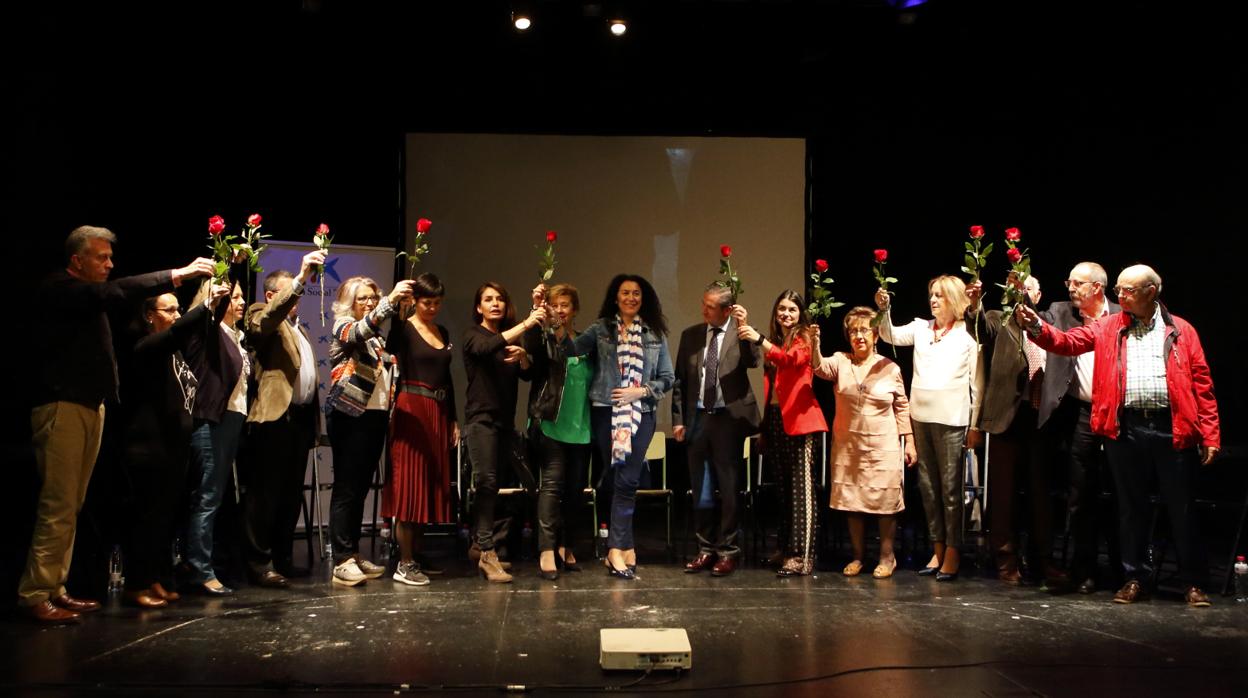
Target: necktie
[
  {"x": 1035, "y": 370},
  {"x": 711, "y": 375}
]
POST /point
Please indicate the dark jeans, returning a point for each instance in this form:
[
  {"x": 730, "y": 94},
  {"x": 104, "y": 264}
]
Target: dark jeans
[
  {"x": 357, "y": 443},
  {"x": 213, "y": 447},
  {"x": 487, "y": 444},
  {"x": 1014, "y": 456},
  {"x": 273, "y": 475},
  {"x": 1076, "y": 450},
  {"x": 1144, "y": 450},
  {"x": 625, "y": 477},
  {"x": 714, "y": 442}
]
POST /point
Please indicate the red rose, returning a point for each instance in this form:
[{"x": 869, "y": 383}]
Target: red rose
[
  {"x": 821, "y": 265},
  {"x": 215, "y": 225},
  {"x": 551, "y": 236},
  {"x": 725, "y": 251},
  {"x": 423, "y": 225},
  {"x": 881, "y": 256},
  {"x": 1013, "y": 255},
  {"x": 977, "y": 232},
  {"x": 322, "y": 230},
  {"x": 254, "y": 220},
  {"x": 1013, "y": 235}
]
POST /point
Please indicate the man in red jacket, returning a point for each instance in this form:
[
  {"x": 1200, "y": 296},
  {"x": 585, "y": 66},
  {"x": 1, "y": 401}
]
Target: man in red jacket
[{"x": 1152, "y": 399}]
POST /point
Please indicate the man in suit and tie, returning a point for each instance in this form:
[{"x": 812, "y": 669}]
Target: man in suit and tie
[
  {"x": 714, "y": 411},
  {"x": 282, "y": 424},
  {"x": 1065, "y": 419}
]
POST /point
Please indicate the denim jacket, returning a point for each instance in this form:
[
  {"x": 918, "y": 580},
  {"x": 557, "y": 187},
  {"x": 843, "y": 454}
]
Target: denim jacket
[{"x": 600, "y": 339}]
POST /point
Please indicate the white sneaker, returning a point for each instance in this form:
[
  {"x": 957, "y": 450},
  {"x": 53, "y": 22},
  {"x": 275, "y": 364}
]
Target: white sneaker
[
  {"x": 409, "y": 573},
  {"x": 369, "y": 570},
  {"x": 348, "y": 574}
]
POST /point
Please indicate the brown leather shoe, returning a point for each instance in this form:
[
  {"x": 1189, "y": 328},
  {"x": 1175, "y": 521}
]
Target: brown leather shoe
[
  {"x": 1007, "y": 569},
  {"x": 702, "y": 562},
  {"x": 144, "y": 598},
  {"x": 491, "y": 569},
  {"x": 1196, "y": 598},
  {"x": 272, "y": 580},
  {"x": 725, "y": 567},
  {"x": 69, "y": 603},
  {"x": 47, "y": 613},
  {"x": 162, "y": 593},
  {"x": 1130, "y": 592}
]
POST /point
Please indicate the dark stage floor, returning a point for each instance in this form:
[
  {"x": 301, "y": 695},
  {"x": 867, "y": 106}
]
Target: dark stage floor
[{"x": 752, "y": 634}]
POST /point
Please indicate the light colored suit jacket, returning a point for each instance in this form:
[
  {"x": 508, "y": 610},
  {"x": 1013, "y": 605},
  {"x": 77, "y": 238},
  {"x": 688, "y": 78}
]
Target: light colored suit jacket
[{"x": 277, "y": 355}]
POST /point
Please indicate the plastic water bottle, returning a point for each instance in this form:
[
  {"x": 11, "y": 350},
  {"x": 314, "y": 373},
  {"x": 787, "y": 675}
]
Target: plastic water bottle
[
  {"x": 600, "y": 544},
  {"x": 116, "y": 582},
  {"x": 1241, "y": 580},
  {"x": 384, "y": 534}
]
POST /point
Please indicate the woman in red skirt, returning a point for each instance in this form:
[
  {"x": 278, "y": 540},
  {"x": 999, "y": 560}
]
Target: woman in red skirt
[{"x": 423, "y": 428}]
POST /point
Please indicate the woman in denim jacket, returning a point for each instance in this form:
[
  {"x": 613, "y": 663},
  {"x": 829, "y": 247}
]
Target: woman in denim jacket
[{"x": 633, "y": 371}]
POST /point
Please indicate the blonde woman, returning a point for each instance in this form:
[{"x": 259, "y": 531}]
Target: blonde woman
[
  {"x": 357, "y": 413},
  {"x": 944, "y": 392}
]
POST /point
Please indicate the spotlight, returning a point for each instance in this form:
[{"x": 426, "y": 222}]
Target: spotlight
[
  {"x": 521, "y": 21},
  {"x": 618, "y": 27}
]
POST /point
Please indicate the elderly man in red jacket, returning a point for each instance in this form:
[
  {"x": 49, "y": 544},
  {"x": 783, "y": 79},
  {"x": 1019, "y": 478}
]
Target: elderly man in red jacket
[{"x": 1152, "y": 399}]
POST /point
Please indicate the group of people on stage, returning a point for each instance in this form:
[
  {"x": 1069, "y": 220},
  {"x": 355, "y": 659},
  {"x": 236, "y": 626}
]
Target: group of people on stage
[{"x": 223, "y": 380}]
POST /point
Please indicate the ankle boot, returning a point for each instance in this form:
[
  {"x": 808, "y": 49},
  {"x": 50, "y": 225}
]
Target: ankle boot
[{"x": 491, "y": 569}]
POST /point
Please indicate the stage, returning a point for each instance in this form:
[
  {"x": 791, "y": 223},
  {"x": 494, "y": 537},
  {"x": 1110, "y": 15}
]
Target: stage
[{"x": 752, "y": 634}]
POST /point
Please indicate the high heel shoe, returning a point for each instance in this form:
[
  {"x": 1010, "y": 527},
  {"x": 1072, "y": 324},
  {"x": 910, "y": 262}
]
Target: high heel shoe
[
  {"x": 928, "y": 571},
  {"x": 946, "y": 576},
  {"x": 562, "y": 561},
  {"x": 552, "y": 575}
]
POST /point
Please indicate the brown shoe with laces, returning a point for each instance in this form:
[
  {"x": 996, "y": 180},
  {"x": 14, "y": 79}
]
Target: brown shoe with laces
[
  {"x": 1130, "y": 593},
  {"x": 1196, "y": 598}
]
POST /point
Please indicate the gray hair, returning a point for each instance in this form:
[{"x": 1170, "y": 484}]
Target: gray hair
[
  {"x": 1149, "y": 274},
  {"x": 345, "y": 302},
  {"x": 82, "y": 235},
  {"x": 722, "y": 293},
  {"x": 270, "y": 281}
]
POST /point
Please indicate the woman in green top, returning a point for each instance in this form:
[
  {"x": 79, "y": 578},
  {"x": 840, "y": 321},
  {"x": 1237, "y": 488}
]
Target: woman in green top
[{"x": 559, "y": 427}]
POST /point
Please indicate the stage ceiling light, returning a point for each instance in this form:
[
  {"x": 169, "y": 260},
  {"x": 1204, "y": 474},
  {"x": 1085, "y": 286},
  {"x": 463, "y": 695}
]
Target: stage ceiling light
[
  {"x": 618, "y": 27},
  {"x": 521, "y": 21}
]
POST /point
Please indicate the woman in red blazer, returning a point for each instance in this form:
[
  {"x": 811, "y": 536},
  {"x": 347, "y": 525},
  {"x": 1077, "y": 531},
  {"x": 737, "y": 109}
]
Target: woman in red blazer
[{"x": 790, "y": 423}]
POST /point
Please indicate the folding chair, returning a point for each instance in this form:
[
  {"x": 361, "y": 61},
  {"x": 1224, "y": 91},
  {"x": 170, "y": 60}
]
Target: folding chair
[{"x": 657, "y": 451}]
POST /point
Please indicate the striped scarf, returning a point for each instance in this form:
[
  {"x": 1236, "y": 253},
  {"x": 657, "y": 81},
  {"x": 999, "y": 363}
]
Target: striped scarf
[{"x": 626, "y": 418}]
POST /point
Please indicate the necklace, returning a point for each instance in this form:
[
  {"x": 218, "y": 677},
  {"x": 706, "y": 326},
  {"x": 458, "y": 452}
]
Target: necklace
[
  {"x": 937, "y": 336},
  {"x": 853, "y": 370}
]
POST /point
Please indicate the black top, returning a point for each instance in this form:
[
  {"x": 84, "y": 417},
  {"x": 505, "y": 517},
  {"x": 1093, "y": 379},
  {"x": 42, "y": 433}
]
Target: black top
[
  {"x": 421, "y": 362},
  {"x": 75, "y": 362},
  {"x": 216, "y": 360},
  {"x": 159, "y": 393},
  {"x": 491, "y": 394}
]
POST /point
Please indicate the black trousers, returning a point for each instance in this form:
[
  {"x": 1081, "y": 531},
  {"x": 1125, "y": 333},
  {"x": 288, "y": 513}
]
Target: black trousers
[
  {"x": 272, "y": 475},
  {"x": 1144, "y": 451},
  {"x": 155, "y": 499},
  {"x": 357, "y": 443},
  {"x": 1014, "y": 457},
  {"x": 489, "y": 445},
  {"x": 714, "y": 441},
  {"x": 556, "y": 459},
  {"x": 1074, "y": 449}
]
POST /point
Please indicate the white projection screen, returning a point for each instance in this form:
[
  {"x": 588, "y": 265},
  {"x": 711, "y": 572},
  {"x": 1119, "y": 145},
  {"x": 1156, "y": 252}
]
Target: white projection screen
[{"x": 656, "y": 206}]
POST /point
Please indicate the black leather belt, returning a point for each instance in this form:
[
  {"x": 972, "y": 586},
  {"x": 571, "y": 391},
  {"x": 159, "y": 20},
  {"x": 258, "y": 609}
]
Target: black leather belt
[
  {"x": 1147, "y": 412},
  {"x": 713, "y": 410}
]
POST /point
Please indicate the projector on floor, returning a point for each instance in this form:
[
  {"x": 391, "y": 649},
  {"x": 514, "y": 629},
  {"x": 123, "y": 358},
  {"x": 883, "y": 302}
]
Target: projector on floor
[{"x": 644, "y": 648}]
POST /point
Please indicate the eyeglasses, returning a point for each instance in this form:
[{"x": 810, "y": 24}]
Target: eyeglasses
[
  {"x": 172, "y": 310},
  {"x": 1130, "y": 290},
  {"x": 853, "y": 331},
  {"x": 366, "y": 299},
  {"x": 1076, "y": 283}
]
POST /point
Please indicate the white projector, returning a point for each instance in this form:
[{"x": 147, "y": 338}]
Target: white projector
[{"x": 644, "y": 648}]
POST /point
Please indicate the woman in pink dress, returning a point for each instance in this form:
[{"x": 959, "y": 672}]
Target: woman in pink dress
[{"x": 871, "y": 438}]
